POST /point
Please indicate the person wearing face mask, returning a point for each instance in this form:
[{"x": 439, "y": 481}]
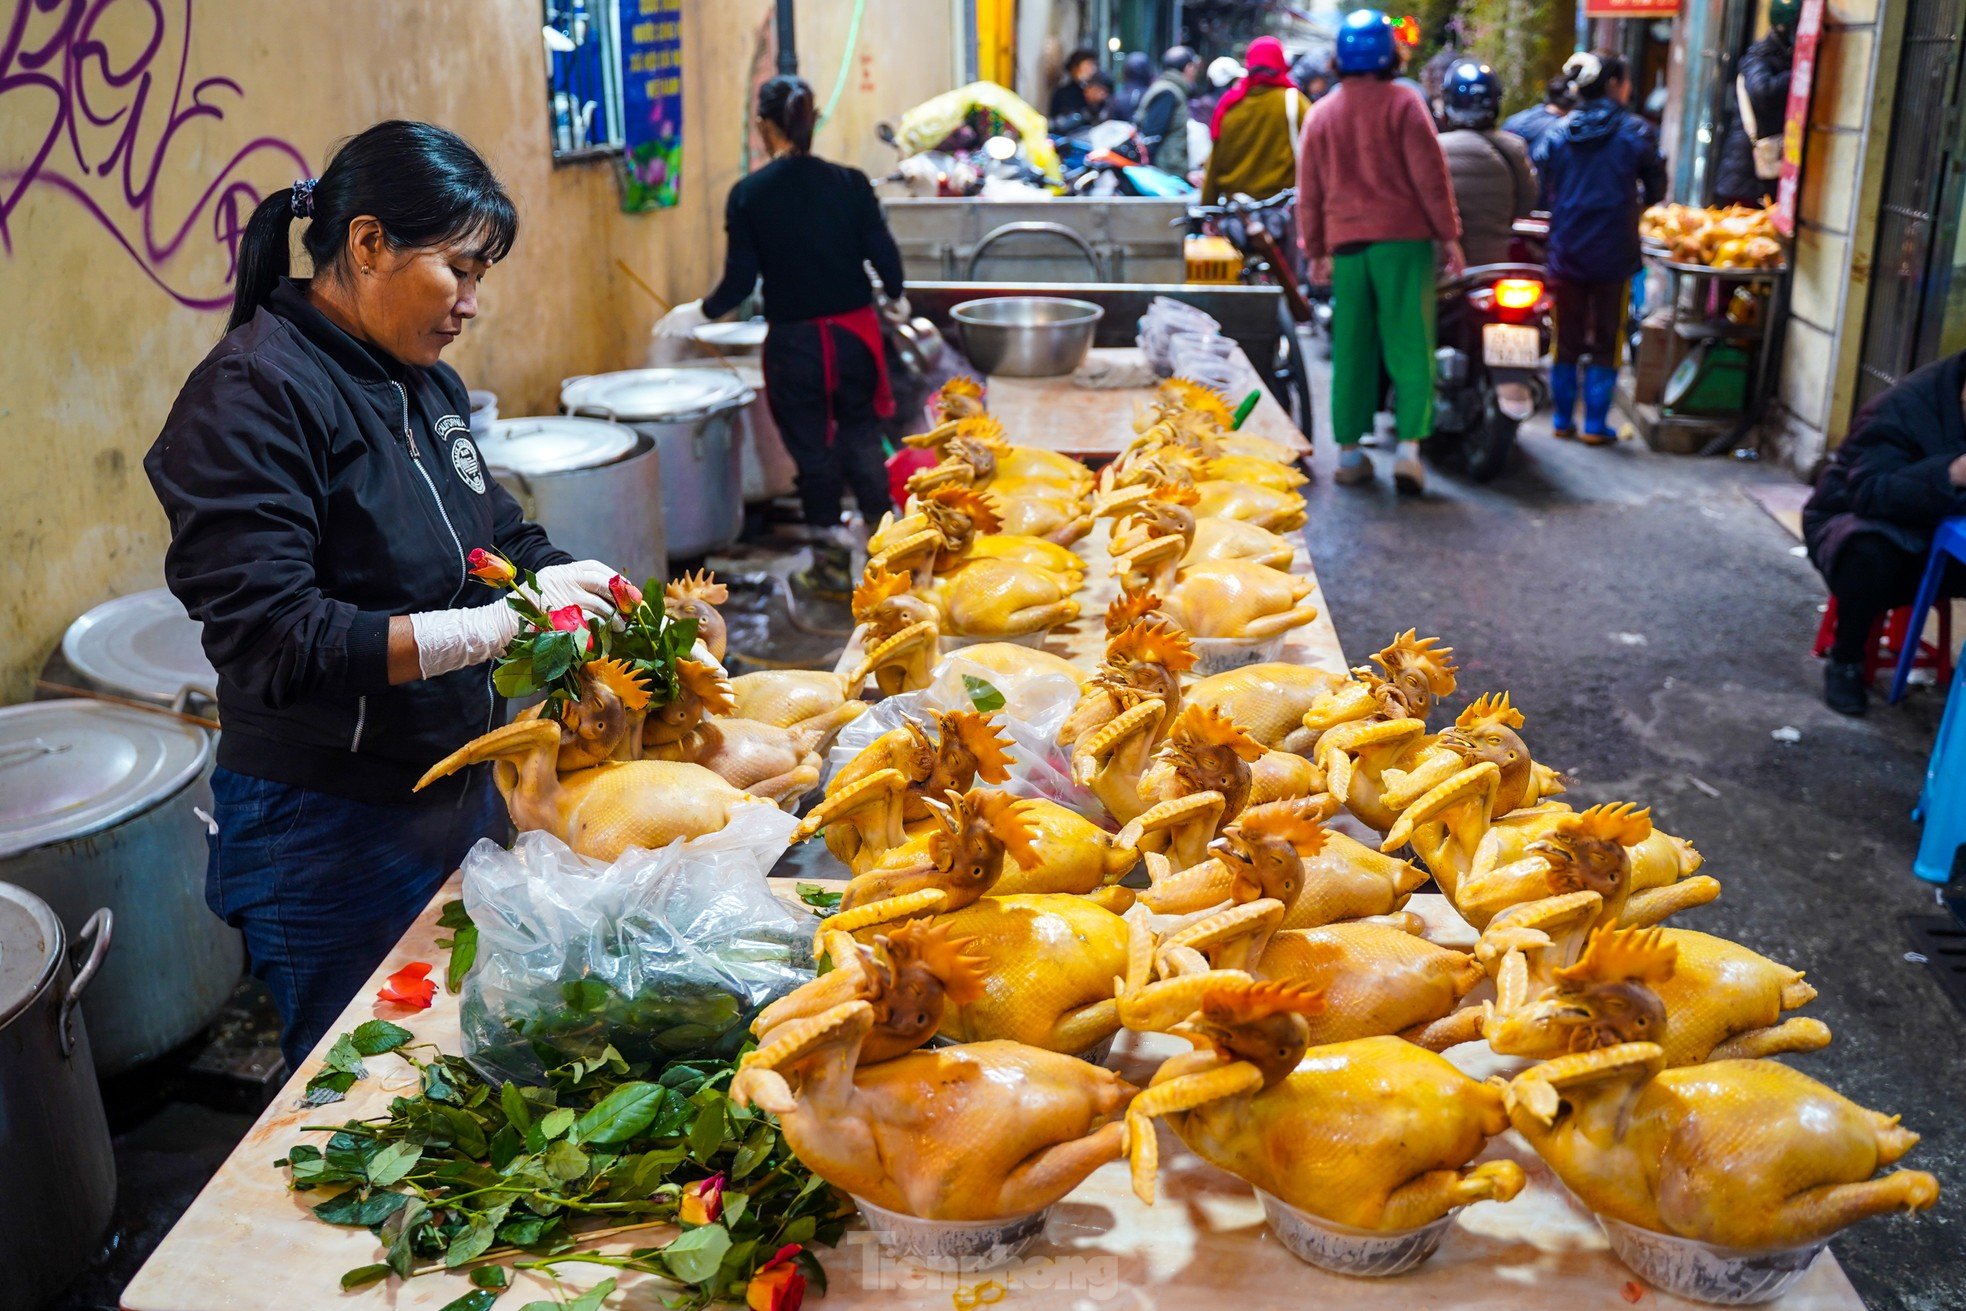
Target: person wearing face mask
[
  {"x": 325, "y": 498},
  {"x": 1754, "y": 116}
]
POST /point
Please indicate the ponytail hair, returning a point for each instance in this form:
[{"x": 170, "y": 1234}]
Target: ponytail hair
[
  {"x": 787, "y": 104},
  {"x": 424, "y": 184}
]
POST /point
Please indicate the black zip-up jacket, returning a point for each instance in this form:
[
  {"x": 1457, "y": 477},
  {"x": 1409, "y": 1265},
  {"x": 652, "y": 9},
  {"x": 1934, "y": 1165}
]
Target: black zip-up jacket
[{"x": 315, "y": 488}]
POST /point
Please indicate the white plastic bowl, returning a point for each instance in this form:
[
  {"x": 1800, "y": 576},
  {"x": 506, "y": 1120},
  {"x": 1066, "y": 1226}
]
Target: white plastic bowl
[
  {"x": 955, "y": 1246},
  {"x": 1218, "y": 655},
  {"x": 1724, "y": 1276},
  {"x": 1343, "y": 1250}
]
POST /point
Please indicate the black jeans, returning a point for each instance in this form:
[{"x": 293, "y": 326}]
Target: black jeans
[
  {"x": 1870, "y": 576},
  {"x": 795, "y": 388}
]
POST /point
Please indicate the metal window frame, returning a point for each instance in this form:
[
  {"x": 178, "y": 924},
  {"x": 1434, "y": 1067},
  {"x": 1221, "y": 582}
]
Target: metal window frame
[{"x": 604, "y": 17}]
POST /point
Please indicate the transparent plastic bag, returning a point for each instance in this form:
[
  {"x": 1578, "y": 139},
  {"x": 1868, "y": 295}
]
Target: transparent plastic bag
[
  {"x": 1034, "y": 708},
  {"x": 661, "y": 954}
]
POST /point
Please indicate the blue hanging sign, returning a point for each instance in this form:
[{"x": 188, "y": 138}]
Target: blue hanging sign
[{"x": 652, "y": 103}]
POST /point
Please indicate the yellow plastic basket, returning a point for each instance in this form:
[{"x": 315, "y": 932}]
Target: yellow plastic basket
[{"x": 1212, "y": 260}]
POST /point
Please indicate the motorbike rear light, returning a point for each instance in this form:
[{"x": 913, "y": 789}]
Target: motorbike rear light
[{"x": 1518, "y": 293}]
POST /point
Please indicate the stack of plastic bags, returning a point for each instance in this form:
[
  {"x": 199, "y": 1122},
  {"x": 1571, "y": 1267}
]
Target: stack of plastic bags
[{"x": 1180, "y": 340}]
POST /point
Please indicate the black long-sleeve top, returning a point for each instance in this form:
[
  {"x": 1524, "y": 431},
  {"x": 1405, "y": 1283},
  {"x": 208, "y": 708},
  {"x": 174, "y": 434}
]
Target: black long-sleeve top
[{"x": 807, "y": 227}]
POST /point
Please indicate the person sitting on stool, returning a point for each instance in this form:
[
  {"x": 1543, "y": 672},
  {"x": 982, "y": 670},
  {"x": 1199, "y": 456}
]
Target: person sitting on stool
[{"x": 1869, "y": 523}]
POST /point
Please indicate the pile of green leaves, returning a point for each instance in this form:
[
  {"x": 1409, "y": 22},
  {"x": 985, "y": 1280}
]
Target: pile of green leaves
[
  {"x": 545, "y": 659},
  {"x": 465, "y": 1176}
]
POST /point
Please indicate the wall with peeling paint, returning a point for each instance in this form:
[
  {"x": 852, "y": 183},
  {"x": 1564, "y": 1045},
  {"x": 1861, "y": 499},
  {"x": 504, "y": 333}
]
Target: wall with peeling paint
[{"x": 99, "y": 258}]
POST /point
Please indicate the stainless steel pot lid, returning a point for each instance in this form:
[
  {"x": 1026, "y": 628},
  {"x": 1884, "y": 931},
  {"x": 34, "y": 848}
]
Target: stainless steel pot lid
[
  {"x": 30, "y": 946},
  {"x": 554, "y": 443},
  {"x": 71, "y": 768},
  {"x": 638, "y": 395},
  {"x": 140, "y": 645}
]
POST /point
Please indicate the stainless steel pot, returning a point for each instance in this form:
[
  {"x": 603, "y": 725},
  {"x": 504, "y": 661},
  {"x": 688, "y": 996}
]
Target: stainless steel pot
[
  {"x": 690, "y": 416},
  {"x": 57, "y": 1172},
  {"x": 106, "y": 806},
  {"x": 596, "y": 487},
  {"x": 1027, "y": 336},
  {"x": 143, "y": 646}
]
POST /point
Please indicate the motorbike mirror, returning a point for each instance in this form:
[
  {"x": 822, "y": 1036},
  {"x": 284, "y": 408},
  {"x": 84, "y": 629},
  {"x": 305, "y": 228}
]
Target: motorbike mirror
[{"x": 1000, "y": 148}]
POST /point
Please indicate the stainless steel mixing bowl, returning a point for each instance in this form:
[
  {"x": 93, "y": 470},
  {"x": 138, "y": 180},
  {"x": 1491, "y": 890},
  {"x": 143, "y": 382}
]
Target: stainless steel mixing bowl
[{"x": 1027, "y": 336}]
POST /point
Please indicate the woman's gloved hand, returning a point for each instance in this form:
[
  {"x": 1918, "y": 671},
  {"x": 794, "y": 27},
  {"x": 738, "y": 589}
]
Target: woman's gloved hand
[
  {"x": 682, "y": 321},
  {"x": 583, "y": 583},
  {"x": 448, "y": 640}
]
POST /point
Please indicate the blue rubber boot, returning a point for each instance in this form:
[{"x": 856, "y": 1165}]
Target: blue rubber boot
[
  {"x": 1600, "y": 383},
  {"x": 1563, "y": 399}
]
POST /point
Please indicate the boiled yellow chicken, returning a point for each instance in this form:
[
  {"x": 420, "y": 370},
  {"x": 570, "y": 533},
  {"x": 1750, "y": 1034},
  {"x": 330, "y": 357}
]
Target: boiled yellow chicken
[
  {"x": 875, "y": 799},
  {"x": 1203, "y": 420},
  {"x": 786, "y": 698},
  {"x": 949, "y": 526},
  {"x": 1488, "y": 730},
  {"x": 1053, "y": 511},
  {"x": 697, "y": 596},
  {"x": 603, "y": 810},
  {"x": 959, "y": 398},
  {"x": 1748, "y": 1155},
  {"x": 781, "y": 764},
  {"x": 899, "y": 632},
  {"x": 1283, "y": 851},
  {"x": 1034, "y": 991},
  {"x": 1131, "y": 700},
  {"x": 1013, "y": 662},
  {"x": 979, "y": 596},
  {"x": 605, "y": 723},
  {"x": 1218, "y": 598},
  {"x": 1198, "y": 780},
  {"x": 900, "y": 974},
  {"x": 981, "y": 1131},
  {"x": 1414, "y": 674},
  {"x": 1266, "y": 507},
  {"x": 1699, "y": 997},
  {"x": 1375, "y": 1133},
  {"x": 1267, "y": 700},
  {"x": 1021, "y": 463},
  {"x": 1373, "y": 978},
  {"x": 1165, "y": 511}
]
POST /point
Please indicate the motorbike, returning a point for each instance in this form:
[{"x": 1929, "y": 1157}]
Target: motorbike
[
  {"x": 1493, "y": 334},
  {"x": 1109, "y": 159},
  {"x": 1246, "y": 225}
]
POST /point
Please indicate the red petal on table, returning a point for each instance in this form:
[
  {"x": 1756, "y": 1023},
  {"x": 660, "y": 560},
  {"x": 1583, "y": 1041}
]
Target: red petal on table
[
  {"x": 1633, "y": 1290},
  {"x": 409, "y": 986}
]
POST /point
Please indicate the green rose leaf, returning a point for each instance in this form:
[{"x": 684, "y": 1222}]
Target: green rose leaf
[
  {"x": 491, "y": 1276},
  {"x": 376, "y": 1037},
  {"x": 620, "y": 1115},
  {"x": 556, "y": 1122},
  {"x": 982, "y": 694},
  {"x": 695, "y": 1254},
  {"x": 363, "y": 1275},
  {"x": 392, "y": 1163},
  {"x": 471, "y": 1241},
  {"x": 477, "y": 1299}
]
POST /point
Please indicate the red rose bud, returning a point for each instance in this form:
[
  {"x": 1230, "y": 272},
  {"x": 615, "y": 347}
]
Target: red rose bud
[
  {"x": 702, "y": 1202},
  {"x": 568, "y": 619},
  {"x": 409, "y": 986},
  {"x": 626, "y": 595},
  {"x": 779, "y": 1285},
  {"x": 488, "y": 567}
]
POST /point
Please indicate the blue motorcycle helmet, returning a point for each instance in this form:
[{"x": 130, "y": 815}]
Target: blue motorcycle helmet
[
  {"x": 1470, "y": 95},
  {"x": 1365, "y": 43}
]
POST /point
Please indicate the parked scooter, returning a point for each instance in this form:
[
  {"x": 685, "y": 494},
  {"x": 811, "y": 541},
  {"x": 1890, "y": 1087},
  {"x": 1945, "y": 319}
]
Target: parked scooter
[
  {"x": 1108, "y": 159},
  {"x": 1245, "y": 224},
  {"x": 1493, "y": 333}
]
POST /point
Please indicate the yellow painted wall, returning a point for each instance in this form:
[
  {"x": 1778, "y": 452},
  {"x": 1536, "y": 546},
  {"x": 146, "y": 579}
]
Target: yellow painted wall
[{"x": 96, "y": 349}]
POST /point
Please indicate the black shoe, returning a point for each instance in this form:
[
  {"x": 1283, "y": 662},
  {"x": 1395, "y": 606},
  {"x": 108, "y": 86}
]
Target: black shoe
[{"x": 1844, "y": 689}]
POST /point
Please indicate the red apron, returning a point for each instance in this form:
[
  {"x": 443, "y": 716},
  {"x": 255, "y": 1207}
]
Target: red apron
[{"x": 865, "y": 324}]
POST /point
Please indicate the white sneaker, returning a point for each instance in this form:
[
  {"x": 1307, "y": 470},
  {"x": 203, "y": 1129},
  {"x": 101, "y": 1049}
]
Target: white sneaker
[
  {"x": 1408, "y": 475},
  {"x": 1354, "y": 467}
]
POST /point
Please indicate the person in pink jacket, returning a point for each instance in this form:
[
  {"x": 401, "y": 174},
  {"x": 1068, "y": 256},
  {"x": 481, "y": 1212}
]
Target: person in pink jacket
[{"x": 1375, "y": 213}]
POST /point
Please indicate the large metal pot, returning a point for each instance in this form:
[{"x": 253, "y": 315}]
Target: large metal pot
[
  {"x": 142, "y": 646},
  {"x": 106, "y": 806},
  {"x": 690, "y": 416},
  {"x": 596, "y": 487},
  {"x": 57, "y": 1173},
  {"x": 1027, "y": 336}
]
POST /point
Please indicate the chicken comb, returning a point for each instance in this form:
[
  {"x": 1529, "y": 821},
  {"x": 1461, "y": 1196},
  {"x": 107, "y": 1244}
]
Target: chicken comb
[
  {"x": 618, "y": 679},
  {"x": 925, "y": 943},
  {"x": 878, "y": 585},
  {"x": 1152, "y": 642},
  {"x": 963, "y": 385},
  {"x": 1294, "y": 821},
  {"x": 1238, "y": 1000},
  {"x": 699, "y": 586},
  {"x": 1490, "y": 708},
  {"x": 1622, "y": 822},
  {"x": 978, "y": 735},
  {"x": 1004, "y": 816},
  {"x": 980, "y": 509},
  {"x": 1615, "y": 955},
  {"x": 1191, "y": 395},
  {"x": 1133, "y": 604},
  {"x": 1176, "y": 494},
  {"x": 708, "y": 685},
  {"x": 984, "y": 428},
  {"x": 1205, "y": 726},
  {"x": 1410, "y": 651}
]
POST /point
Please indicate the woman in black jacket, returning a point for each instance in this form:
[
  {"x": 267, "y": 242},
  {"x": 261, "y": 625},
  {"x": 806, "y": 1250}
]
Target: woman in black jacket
[
  {"x": 324, "y": 496},
  {"x": 1869, "y": 523}
]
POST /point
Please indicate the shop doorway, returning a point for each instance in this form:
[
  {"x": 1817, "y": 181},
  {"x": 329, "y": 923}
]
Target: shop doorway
[{"x": 1917, "y": 306}]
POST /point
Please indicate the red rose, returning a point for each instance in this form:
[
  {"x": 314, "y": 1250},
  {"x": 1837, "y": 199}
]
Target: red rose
[
  {"x": 779, "y": 1285},
  {"x": 702, "y": 1202},
  {"x": 626, "y": 595},
  {"x": 410, "y": 987},
  {"x": 490, "y": 567}
]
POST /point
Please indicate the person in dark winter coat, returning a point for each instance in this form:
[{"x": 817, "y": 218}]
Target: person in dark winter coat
[
  {"x": 1869, "y": 523},
  {"x": 1068, "y": 101},
  {"x": 1538, "y": 121},
  {"x": 1598, "y": 169},
  {"x": 1764, "y": 77},
  {"x": 1136, "y": 75},
  {"x": 1163, "y": 113}
]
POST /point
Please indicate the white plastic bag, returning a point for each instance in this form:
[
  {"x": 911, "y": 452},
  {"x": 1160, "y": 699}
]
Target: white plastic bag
[
  {"x": 1034, "y": 708},
  {"x": 661, "y": 954}
]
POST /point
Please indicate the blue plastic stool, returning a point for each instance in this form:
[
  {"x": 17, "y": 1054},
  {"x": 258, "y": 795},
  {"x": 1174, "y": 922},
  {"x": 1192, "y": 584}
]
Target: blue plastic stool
[
  {"x": 1942, "y": 801},
  {"x": 1948, "y": 544}
]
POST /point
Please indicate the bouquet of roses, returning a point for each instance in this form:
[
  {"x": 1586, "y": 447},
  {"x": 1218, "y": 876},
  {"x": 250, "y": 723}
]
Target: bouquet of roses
[{"x": 552, "y": 645}]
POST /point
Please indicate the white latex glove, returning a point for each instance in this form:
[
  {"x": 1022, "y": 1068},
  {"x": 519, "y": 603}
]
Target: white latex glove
[
  {"x": 682, "y": 321},
  {"x": 902, "y": 309},
  {"x": 583, "y": 583},
  {"x": 448, "y": 640}
]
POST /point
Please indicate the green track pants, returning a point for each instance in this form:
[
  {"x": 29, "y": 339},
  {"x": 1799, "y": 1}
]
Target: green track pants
[{"x": 1382, "y": 308}]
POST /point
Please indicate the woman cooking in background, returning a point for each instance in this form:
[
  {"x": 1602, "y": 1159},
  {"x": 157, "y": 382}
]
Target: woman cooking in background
[
  {"x": 808, "y": 228},
  {"x": 324, "y": 495}
]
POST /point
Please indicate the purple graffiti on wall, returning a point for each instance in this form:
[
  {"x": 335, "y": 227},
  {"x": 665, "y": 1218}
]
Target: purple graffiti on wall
[{"x": 95, "y": 93}]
